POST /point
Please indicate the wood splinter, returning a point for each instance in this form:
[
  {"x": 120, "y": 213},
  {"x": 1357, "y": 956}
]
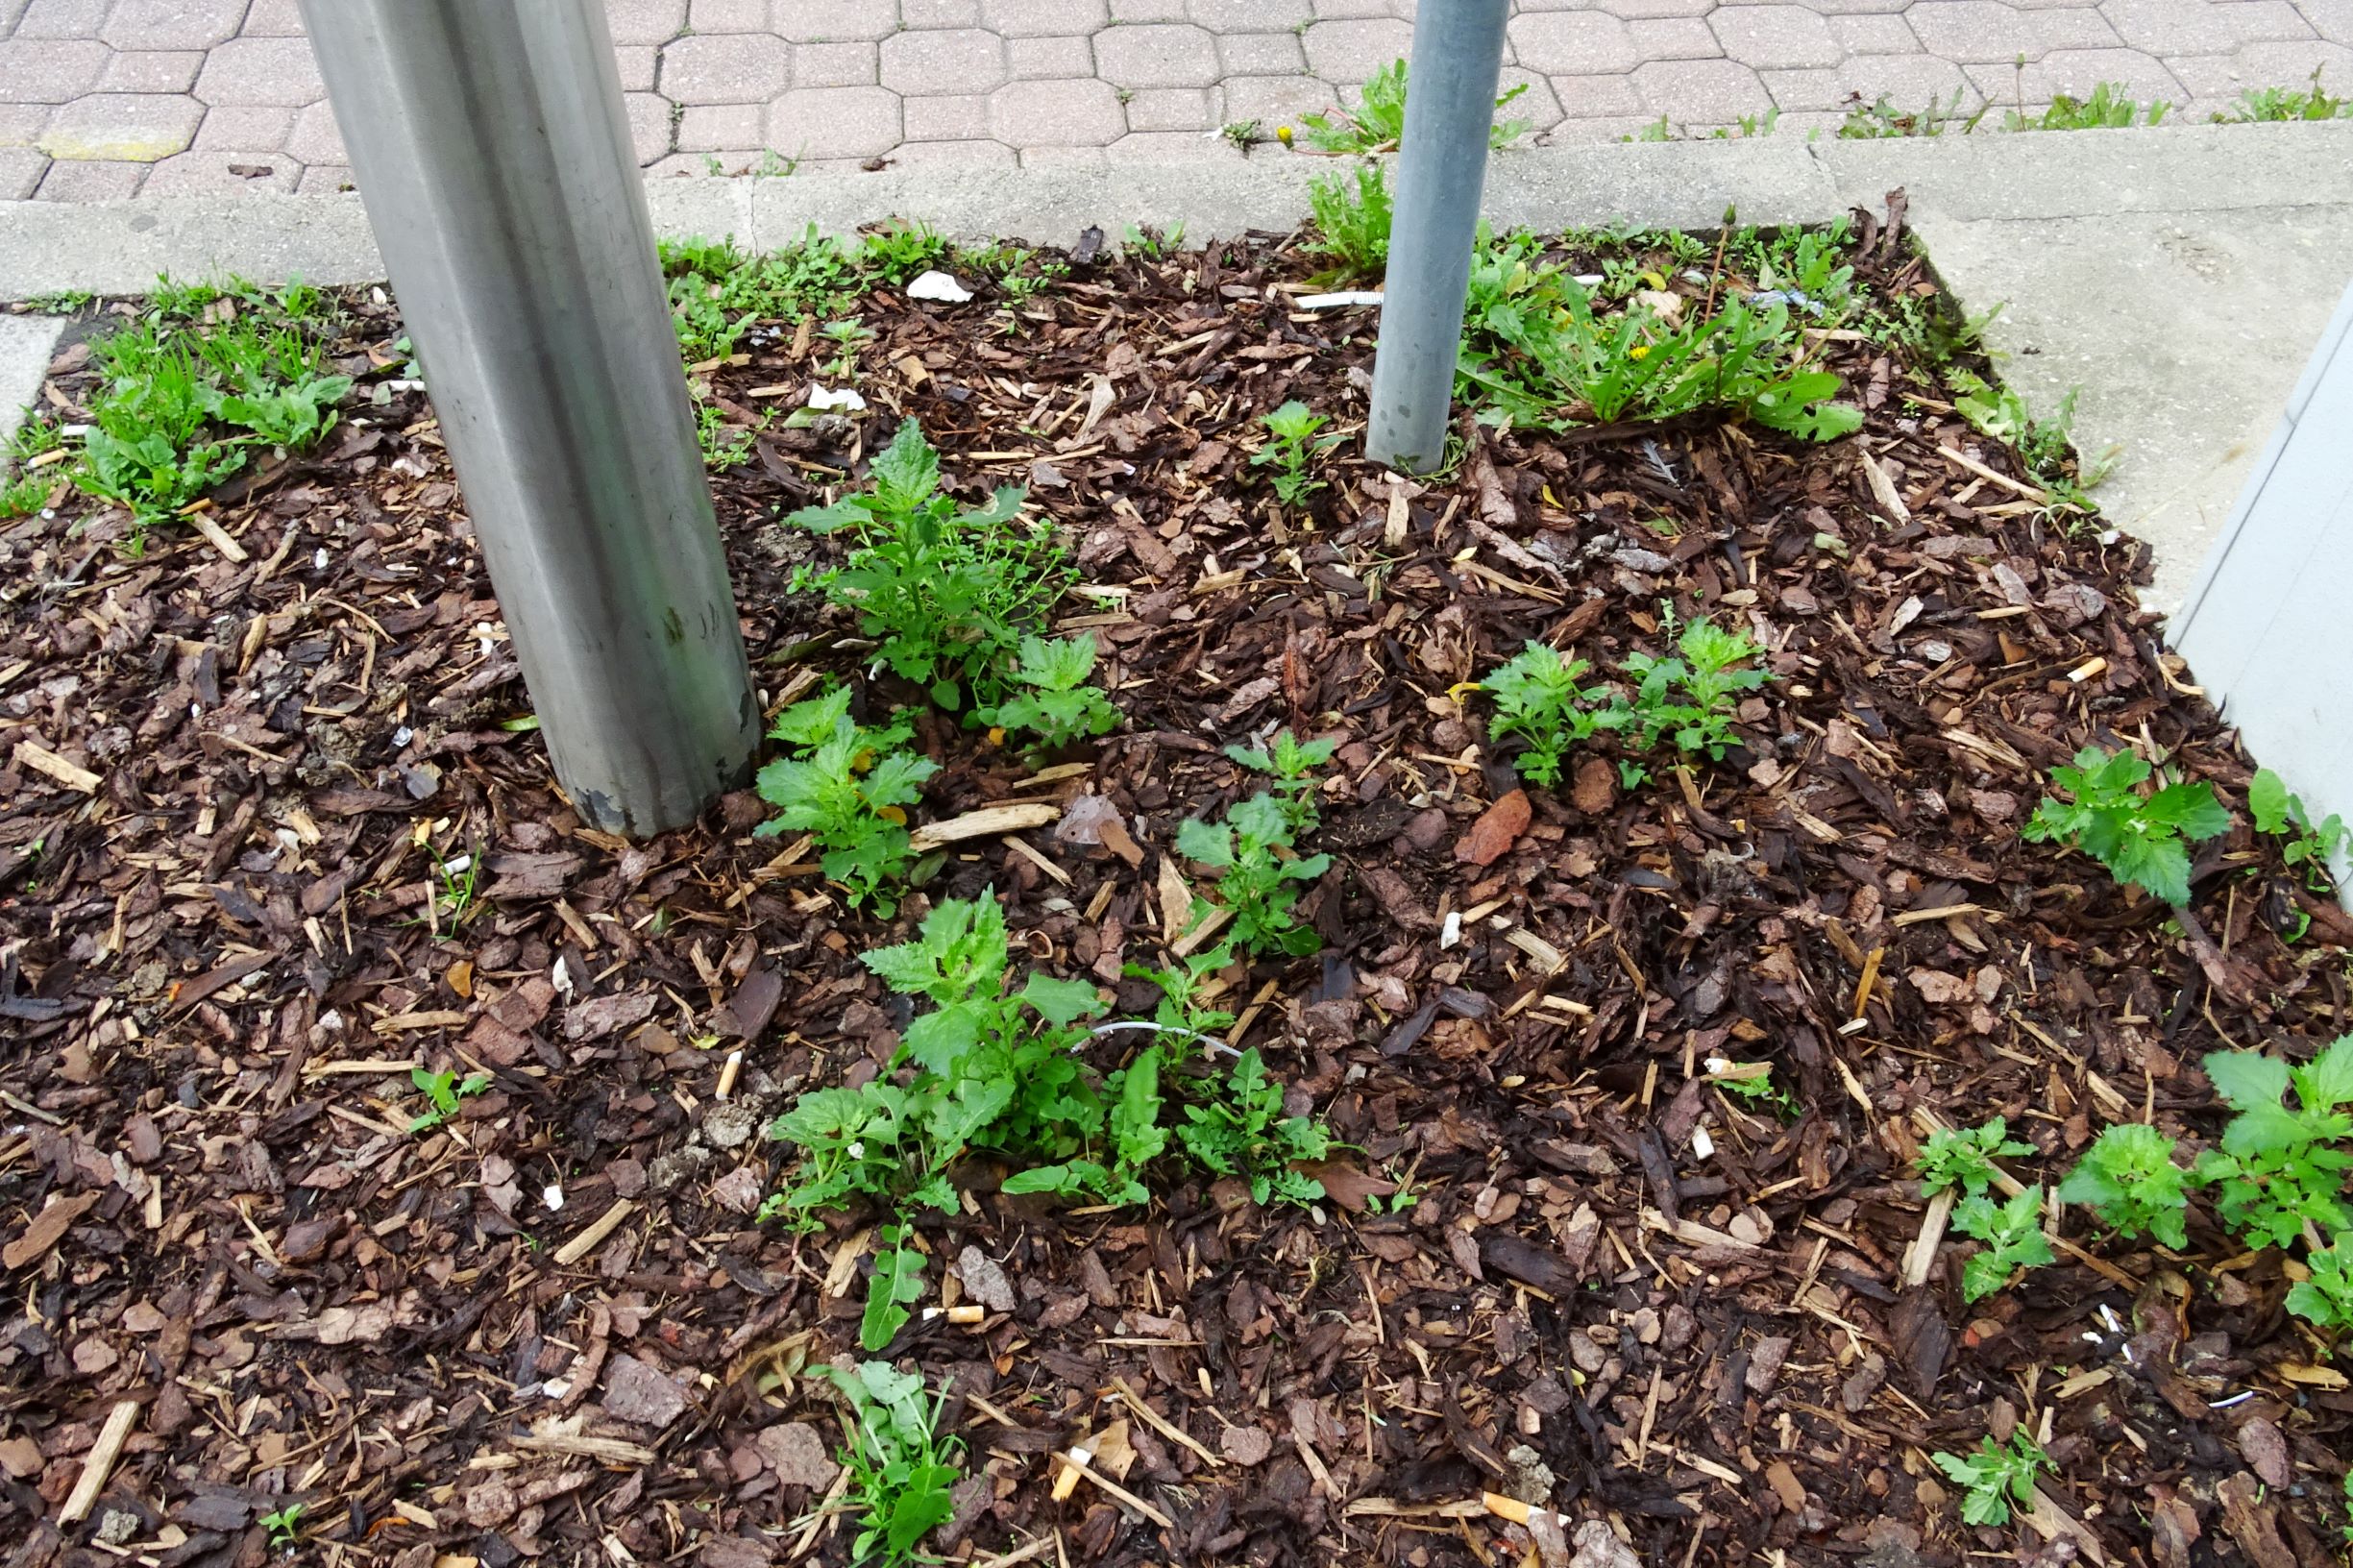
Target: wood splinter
[{"x": 101, "y": 1463}]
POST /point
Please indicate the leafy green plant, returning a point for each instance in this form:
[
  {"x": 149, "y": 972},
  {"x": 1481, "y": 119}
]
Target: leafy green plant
[
  {"x": 2012, "y": 1234},
  {"x": 2143, "y": 841},
  {"x": 1241, "y": 1130},
  {"x": 2283, "y": 815},
  {"x": 1757, "y": 1088},
  {"x": 443, "y": 1089},
  {"x": 1537, "y": 697},
  {"x": 848, "y": 337},
  {"x": 2107, "y": 108},
  {"x": 1243, "y": 134},
  {"x": 1258, "y": 880},
  {"x": 2310, "y": 103},
  {"x": 1291, "y": 445},
  {"x": 1353, "y": 216},
  {"x": 2043, "y": 446},
  {"x": 848, "y": 787},
  {"x": 1806, "y": 265},
  {"x": 1537, "y": 352},
  {"x": 285, "y": 1525},
  {"x": 1962, "y": 1159},
  {"x": 25, "y": 496},
  {"x": 949, "y": 592},
  {"x": 2279, "y": 1171},
  {"x": 1378, "y": 122},
  {"x": 723, "y": 442},
  {"x": 896, "y": 250},
  {"x": 902, "y": 1471},
  {"x": 1291, "y": 763},
  {"x": 897, "y": 1281},
  {"x": 1150, "y": 243},
  {"x": 1058, "y": 705},
  {"x": 2326, "y": 1297},
  {"x": 1881, "y": 119},
  {"x": 986, "y": 1068},
  {"x": 2129, "y": 1179},
  {"x": 1688, "y": 697},
  {"x": 1996, "y": 1477}
]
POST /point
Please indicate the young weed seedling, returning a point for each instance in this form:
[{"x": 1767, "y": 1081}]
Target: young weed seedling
[
  {"x": 1352, "y": 221},
  {"x": 2313, "y": 103},
  {"x": 1996, "y": 1477},
  {"x": 443, "y": 1089},
  {"x": 285, "y": 1525},
  {"x": 1688, "y": 699},
  {"x": 1963, "y": 1160},
  {"x": 1538, "y": 698},
  {"x": 903, "y": 1471},
  {"x": 1291, "y": 764},
  {"x": 897, "y": 1281},
  {"x": 849, "y": 787},
  {"x": 1241, "y": 1130},
  {"x": 2012, "y": 1231},
  {"x": 1291, "y": 445},
  {"x": 2280, "y": 1172},
  {"x": 1378, "y": 122},
  {"x": 2142, "y": 841},
  {"x": 2129, "y": 1179},
  {"x": 1058, "y": 705},
  {"x": 2107, "y": 108},
  {"x": 2326, "y": 1298},
  {"x": 949, "y": 592},
  {"x": 2313, "y": 849},
  {"x": 1260, "y": 880}
]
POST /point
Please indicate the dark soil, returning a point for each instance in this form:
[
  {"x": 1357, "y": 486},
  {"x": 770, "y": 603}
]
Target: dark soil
[{"x": 220, "y": 964}]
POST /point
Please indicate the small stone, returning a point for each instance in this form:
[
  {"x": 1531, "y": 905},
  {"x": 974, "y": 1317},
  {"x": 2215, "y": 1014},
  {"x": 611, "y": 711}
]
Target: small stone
[
  {"x": 1765, "y": 1364},
  {"x": 628, "y": 1176},
  {"x": 1246, "y": 1445},
  {"x": 796, "y": 1451},
  {"x": 984, "y": 1280},
  {"x": 635, "y": 1391},
  {"x": 741, "y": 1190},
  {"x": 20, "y": 1457},
  {"x": 117, "y": 1526},
  {"x": 1865, "y": 1380},
  {"x": 730, "y": 1124}
]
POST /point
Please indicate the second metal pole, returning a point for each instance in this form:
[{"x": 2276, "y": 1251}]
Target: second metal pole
[
  {"x": 493, "y": 154},
  {"x": 1442, "y": 174}
]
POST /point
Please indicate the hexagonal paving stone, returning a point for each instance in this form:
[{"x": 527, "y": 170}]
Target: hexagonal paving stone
[
  {"x": 268, "y": 71},
  {"x": 123, "y": 127},
  {"x": 634, "y": 22},
  {"x": 315, "y": 138},
  {"x": 939, "y": 63},
  {"x": 834, "y": 122},
  {"x": 1985, "y": 31},
  {"x": 1351, "y": 51},
  {"x": 172, "y": 24},
  {"x": 650, "y": 130},
  {"x": 1155, "y": 55},
  {"x": 726, "y": 68},
  {"x": 1030, "y": 18},
  {"x": 151, "y": 70},
  {"x": 1573, "y": 43},
  {"x": 1779, "y": 37},
  {"x": 1057, "y": 114},
  {"x": 48, "y": 70},
  {"x": 1701, "y": 91},
  {"x": 832, "y": 21}
]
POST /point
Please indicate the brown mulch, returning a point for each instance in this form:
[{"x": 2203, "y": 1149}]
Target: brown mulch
[{"x": 552, "y": 1330}]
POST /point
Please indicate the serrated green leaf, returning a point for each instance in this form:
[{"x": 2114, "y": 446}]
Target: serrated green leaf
[
  {"x": 2247, "y": 1079},
  {"x": 1061, "y": 1001}
]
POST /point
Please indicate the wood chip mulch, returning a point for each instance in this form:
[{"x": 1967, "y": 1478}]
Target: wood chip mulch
[{"x": 551, "y": 1331}]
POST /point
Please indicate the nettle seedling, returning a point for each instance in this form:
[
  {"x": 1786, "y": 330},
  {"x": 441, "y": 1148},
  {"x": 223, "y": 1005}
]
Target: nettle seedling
[
  {"x": 443, "y": 1089},
  {"x": 1292, "y": 445},
  {"x": 1258, "y": 880},
  {"x": 1537, "y": 697},
  {"x": 2312, "y": 849},
  {"x": 949, "y": 592},
  {"x": 2280, "y": 1171},
  {"x": 2129, "y": 1179},
  {"x": 1291, "y": 763},
  {"x": 1962, "y": 1159},
  {"x": 2012, "y": 1234},
  {"x": 1996, "y": 1477},
  {"x": 2143, "y": 841},
  {"x": 1057, "y": 703},
  {"x": 848, "y": 788},
  {"x": 902, "y": 1471}
]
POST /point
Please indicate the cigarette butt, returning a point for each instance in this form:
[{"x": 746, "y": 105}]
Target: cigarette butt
[
  {"x": 1067, "y": 1481},
  {"x": 956, "y": 1315},
  {"x": 727, "y": 1071},
  {"x": 1516, "y": 1511},
  {"x": 2087, "y": 669}
]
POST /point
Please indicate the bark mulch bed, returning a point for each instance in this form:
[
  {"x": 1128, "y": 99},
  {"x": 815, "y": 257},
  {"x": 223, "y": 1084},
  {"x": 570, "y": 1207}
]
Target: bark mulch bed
[{"x": 223, "y": 954}]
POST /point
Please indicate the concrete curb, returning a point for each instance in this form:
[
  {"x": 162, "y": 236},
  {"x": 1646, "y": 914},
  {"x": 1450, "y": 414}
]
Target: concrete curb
[{"x": 121, "y": 247}]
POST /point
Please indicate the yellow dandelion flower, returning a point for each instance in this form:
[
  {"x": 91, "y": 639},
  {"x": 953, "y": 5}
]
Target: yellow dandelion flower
[
  {"x": 1640, "y": 351},
  {"x": 1283, "y": 134}
]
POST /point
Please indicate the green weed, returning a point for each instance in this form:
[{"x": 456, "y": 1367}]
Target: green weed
[
  {"x": 849, "y": 788},
  {"x": 1378, "y": 122},
  {"x": 2308, "y": 103},
  {"x": 1352, "y": 221},
  {"x": 2143, "y": 841},
  {"x": 897, "y": 1280},
  {"x": 2280, "y": 1171},
  {"x": 2107, "y": 108},
  {"x": 1291, "y": 445},
  {"x": 443, "y": 1089},
  {"x": 1996, "y": 1477},
  {"x": 1258, "y": 877},
  {"x": 903, "y": 1471},
  {"x": 1881, "y": 119},
  {"x": 285, "y": 1525},
  {"x": 2313, "y": 849},
  {"x": 1688, "y": 697},
  {"x": 2129, "y": 1179},
  {"x": 1291, "y": 763},
  {"x": 2012, "y": 1234},
  {"x": 1057, "y": 702},
  {"x": 1962, "y": 1159},
  {"x": 1537, "y": 697}
]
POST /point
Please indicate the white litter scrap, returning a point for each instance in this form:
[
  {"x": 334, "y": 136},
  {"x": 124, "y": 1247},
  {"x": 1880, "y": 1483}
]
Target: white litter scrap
[
  {"x": 822, "y": 400},
  {"x": 937, "y": 285},
  {"x": 1335, "y": 301}
]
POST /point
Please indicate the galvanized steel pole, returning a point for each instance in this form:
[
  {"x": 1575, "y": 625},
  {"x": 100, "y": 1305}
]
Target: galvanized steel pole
[
  {"x": 1441, "y": 173},
  {"x": 492, "y": 152}
]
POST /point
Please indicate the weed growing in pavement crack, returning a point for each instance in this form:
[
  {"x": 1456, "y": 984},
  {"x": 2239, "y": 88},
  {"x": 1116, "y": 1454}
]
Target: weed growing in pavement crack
[
  {"x": 1378, "y": 122},
  {"x": 2307, "y": 102},
  {"x": 849, "y": 788},
  {"x": 1997, "y": 1477},
  {"x": 2143, "y": 841}
]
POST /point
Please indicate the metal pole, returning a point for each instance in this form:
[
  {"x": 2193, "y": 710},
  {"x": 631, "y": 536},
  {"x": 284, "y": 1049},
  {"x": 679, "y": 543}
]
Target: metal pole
[
  {"x": 494, "y": 157},
  {"x": 1441, "y": 171}
]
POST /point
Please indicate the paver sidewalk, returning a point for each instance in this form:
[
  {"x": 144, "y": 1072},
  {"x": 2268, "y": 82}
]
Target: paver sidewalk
[{"x": 109, "y": 98}]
